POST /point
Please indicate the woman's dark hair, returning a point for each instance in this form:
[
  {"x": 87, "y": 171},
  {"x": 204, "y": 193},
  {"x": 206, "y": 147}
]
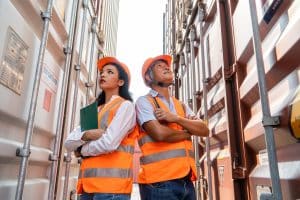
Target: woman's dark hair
[{"x": 123, "y": 90}]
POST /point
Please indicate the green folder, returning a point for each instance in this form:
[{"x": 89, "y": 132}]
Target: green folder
[{"x": 89, "y": 117}]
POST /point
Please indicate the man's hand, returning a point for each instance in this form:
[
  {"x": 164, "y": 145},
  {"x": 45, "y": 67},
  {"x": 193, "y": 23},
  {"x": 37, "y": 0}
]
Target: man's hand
[
  {"x": 192, "y": 117},
  {"x": 162, "y": 115},
  {"x": 93, "y": 134}
]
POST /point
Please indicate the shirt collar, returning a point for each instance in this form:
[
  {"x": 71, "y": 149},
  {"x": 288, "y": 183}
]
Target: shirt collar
[
  {"x": 114, "y": 97},
  {"x": 154, "y": 93}
]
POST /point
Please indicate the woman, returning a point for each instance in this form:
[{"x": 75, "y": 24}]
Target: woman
[{"x": 106, "y": 168}]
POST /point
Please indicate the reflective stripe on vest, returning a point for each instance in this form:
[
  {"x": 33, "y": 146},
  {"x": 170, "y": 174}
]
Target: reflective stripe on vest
[
  {"x": 177, "y": 153},
  {"x": 147, "y": 139},
  {"x": 106, "y": 172},
  {"x": 144, "y": 140},
  {"x": 126, "y": 148}
]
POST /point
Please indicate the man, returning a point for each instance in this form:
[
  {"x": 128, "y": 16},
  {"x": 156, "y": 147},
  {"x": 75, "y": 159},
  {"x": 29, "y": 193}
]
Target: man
[{"x": 167, "y": 161}]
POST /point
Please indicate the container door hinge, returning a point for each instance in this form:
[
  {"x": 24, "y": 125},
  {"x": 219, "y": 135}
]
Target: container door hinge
[
  {"x": 46, "y": 15},
  {"x": 89, "y": 84},
  {"x": 229, "y": 71},
  {"x": 21, "y": 152},
  {"x": 239, "y": 172},
  {"x": 53, "y": 157},
  {"x": 67, "y": 158},
  {"x": 77, "y": 67},
  {"x": 67, "y": 50}
]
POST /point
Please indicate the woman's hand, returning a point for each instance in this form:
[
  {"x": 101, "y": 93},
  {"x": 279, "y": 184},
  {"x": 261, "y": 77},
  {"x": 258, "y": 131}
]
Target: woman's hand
[
  {"x": 77, "y": 153},
  {"x": 162, "y": 115},
  {"x": 93, "y": 134}
]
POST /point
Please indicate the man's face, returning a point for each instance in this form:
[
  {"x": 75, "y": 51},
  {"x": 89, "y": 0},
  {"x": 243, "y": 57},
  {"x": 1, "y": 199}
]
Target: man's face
[{"x": 162, "y": 72}]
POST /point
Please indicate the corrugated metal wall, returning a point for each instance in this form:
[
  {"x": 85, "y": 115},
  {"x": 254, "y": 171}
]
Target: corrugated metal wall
[
  {"x": 15, "y": 107},
  {"x": 21, "y": 28},
  {"x": 237, "y": 146},
  {"x": 280, "y": 44}
]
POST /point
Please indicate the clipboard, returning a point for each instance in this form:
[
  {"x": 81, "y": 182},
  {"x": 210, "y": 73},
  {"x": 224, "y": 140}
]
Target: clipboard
[{"x": 89, "y": 117}]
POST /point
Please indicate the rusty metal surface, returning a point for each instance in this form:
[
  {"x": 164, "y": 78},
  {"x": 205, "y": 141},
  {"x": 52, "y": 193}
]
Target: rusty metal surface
[{"x": 235, "y": 116}]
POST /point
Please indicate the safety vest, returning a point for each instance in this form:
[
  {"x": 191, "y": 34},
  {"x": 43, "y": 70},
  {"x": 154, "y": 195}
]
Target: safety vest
[
  {"x": 112, "y": 172},
  {"x": 162, "y": 161}
]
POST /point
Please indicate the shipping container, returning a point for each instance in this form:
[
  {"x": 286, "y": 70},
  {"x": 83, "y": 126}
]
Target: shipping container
[
  {"x": 217, "y": 65},
  {"x": 21, "y": 36},
  {"x": 216, "y": 69}
]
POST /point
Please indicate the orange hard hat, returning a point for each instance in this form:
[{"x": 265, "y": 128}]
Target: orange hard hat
[
  {"x": 147, "y": 64},
  {"x": 108, "y": 60}
]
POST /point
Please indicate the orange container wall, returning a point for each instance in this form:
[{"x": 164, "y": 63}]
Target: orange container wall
[
  {"x": 226, "y": 152},
  {"x": 280, "y": 44},
  {"x": 238, "y": 151}
]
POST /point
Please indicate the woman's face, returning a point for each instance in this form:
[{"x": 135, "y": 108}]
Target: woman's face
[{"x": 109, "y": 78}]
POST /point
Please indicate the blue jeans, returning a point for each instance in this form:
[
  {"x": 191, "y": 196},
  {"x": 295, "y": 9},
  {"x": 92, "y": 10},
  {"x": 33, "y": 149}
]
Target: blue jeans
[
  {"x": 178, "y": 189},
  {"x": 104, "y": 196}
]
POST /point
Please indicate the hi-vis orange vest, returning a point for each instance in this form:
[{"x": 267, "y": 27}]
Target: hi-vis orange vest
[
  {"x": 162, "y": 161},
  {"x": 112, "y": 172}
]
